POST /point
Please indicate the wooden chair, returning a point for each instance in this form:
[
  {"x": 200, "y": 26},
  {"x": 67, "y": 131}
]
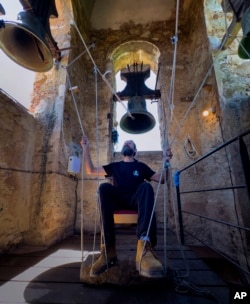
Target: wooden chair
[{"x": 125, "y": 217}]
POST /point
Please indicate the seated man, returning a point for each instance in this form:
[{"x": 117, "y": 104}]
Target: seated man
[{"x": 129, "y": 191}]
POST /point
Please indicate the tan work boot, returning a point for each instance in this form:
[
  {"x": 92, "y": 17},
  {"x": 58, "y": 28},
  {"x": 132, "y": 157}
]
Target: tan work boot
[
  {"x": 104, "y": 261},
  {"x": 147, "y": 263}
]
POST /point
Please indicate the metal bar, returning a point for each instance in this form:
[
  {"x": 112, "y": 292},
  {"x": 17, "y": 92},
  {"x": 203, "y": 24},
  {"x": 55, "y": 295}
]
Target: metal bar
[
  {"x": 180, "y": 214},
  {"x": 219, "y": 253},
  {"x": 245, "y": 163},
  {"x": 215, "y": 150},
  {"x": 246, "y": 168},
  {"x": 214, "y": 189},
  {"x": 218, "y": 221}
]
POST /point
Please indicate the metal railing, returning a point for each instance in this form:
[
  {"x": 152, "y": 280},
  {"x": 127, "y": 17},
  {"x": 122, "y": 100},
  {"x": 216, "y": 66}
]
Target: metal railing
[{"x": 184, "y": 223}]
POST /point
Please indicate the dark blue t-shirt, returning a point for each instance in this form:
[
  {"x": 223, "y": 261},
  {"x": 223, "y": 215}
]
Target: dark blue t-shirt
[{"x": 128, "y": 176}]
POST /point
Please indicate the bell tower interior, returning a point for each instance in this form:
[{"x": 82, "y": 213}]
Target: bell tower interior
[{"x": 41, "y": 198}]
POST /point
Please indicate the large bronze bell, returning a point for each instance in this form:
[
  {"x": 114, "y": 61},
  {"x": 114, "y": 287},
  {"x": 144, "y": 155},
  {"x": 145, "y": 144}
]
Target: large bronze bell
[
  {"x": 141, "y": 121},
  {"x": 24, "y": 41},
  {"x": 244, "y": 46}
]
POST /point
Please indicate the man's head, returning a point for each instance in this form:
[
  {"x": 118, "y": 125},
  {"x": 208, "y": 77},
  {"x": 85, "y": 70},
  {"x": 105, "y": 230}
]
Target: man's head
[{"x": 129, "y": 148}]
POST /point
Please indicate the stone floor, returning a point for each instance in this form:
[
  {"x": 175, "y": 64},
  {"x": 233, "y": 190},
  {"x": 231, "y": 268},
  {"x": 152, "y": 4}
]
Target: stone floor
[{"x": 58, "y": 275}]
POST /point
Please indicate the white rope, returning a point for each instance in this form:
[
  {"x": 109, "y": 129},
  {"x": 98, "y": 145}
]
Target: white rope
[
  {"x": 74, "y": 101},
  {"x": 165, "y": 145},
  {"x": 194, "y": 99},
  {"x": 78, "y": 115},
  {"x": 98, "y": 180},
  {"x": 170, "y": 111},
  {"x": 175, "y": 42},
  {"x": 82, "y": 176},
  {"x": 170, "y": 98},
  {"x": 190, "y": 148},
  {"x": 225, "y": 17},
  {"x": 97, "y": 156},
  {"x": 180, "y": 125},
  {"x": 177, "y": 234},
  {"x": 164, "y": 165},
  {"x": 82, "y": 193},
  {"x": 80, "y": 55},
  {"x": 98, "y": 161},
  {"x": 165, "y": 222},
  {"x": 95, "y": 230},
  {"x": 152, "y": 214},
  {"x": 244, "y": 49}
]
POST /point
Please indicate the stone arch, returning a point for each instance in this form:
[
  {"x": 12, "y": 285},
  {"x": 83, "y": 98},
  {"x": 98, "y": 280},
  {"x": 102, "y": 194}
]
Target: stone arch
[
  {"x": 135, "y": 51},
  {"x": 128, "y": 53}
]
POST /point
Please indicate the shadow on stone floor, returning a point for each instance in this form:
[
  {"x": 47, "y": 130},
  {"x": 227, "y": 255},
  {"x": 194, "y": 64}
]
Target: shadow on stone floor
[{"x": 62, "y": 285}]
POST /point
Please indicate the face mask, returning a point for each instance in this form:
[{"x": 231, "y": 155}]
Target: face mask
[{"x": 127, "y": 151}]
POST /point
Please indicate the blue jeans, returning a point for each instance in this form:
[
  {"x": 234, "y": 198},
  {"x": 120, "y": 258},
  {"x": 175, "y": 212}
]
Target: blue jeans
[{"x": 142, "y": 201}]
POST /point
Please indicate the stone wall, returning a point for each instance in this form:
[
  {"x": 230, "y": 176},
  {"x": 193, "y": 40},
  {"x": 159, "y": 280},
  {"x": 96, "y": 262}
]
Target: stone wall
[
  {"x": 37, "y": 204},
  {"x": 39, "y": 201},
  {"x": 19, "y": 182},
  {"x": 53, "y": 216}
]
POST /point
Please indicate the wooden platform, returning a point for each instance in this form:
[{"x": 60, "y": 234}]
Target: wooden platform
[{"x": 32, "y": 275}]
